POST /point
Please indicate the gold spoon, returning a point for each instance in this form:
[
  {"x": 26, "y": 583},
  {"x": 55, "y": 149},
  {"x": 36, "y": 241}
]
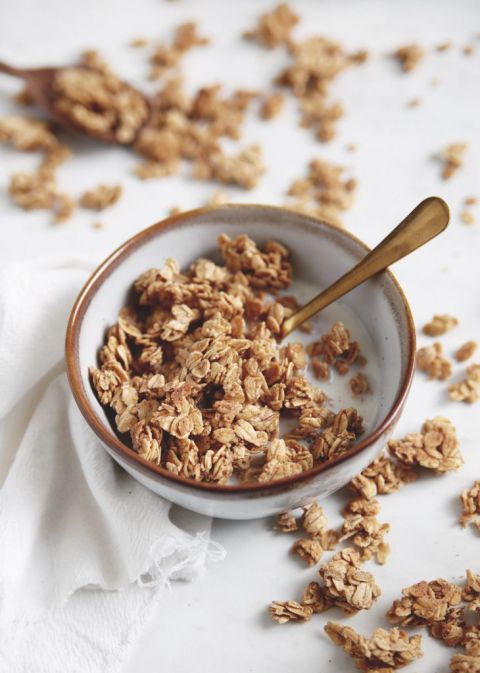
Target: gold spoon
[
  {"x": 40, "y": 82},
  {"x": 426, "y": 221}
]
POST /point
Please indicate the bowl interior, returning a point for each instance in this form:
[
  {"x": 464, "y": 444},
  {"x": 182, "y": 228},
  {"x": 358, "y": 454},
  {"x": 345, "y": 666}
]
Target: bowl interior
[{"x": 320, "y": 254}]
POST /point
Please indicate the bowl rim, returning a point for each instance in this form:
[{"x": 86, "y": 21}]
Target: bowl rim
[{"x": 127, "y": 454}]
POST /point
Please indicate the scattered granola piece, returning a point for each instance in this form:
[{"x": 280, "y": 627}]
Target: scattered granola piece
[
  {"x": 273, "y": 28},
  {"x": 471, "y": 588},
  {"x": 346, "y": 585},
  {"x": 468, "y": 50},
  {"x": 465, "y": 663},
  {"x": 470, "y": 200},
  {"x": 467, "y": 216},
  {"x": 409, "y": 56},
  {"x": 359, "y": 384},
  {"x": 381, "y": 477},
  {"x": 98, "y": 224},
  {"x": 439, "y": 324},
  {"x": 425, "y": 603},
  {"x": 452, "y": 159},
  {"x": 139, "y": 42},
  {"x": 165, "y": 57},
  {"x": 320, "y": 369},
  {"x": 465, "y": 351},
  {"x": 243, "y": 170},
  {"x": 314, "y": 521},
  {"x": 470, "y": 499},
  {"x": 290, "y": 611},
  {"x": 435, "y": 447},
  {"x": 311, "y": 551},
  {"x": 468, "y": 389},
  {"x": 314, "y": 596},
  {"x": 368, "y": 534},
  {"x": 218, "y": 198},
  {"x": 384, "y": 652},
  {"x": 443, "y": 46},
  {"x": 413, "y": 102},
  {"x": 286, "y": 523},
  {"x": 101, "y": 197},
  {"x": 431, "y": 360},
  {"x": 362, "y": 506},
  {"x": 272, "y": 105}
]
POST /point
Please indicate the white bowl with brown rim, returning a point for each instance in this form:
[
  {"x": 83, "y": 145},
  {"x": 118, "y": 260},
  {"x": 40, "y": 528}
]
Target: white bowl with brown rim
[{"x": 320, "y": 254}]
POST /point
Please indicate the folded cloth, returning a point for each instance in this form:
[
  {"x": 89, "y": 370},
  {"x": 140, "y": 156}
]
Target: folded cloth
[{"x": 85, "y": 549}]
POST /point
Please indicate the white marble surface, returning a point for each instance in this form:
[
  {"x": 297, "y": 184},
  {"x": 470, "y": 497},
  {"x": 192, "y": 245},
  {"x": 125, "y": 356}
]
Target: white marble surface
[{"x": 219, "y": 623}]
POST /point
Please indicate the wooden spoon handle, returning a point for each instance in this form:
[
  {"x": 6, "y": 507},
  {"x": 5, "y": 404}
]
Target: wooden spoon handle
[
  {"x": 426, "y": 221},
  {"x": 10, "y": 70}
]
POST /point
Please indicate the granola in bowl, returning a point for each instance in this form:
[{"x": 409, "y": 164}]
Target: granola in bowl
[{"x": 197, "y": 380}]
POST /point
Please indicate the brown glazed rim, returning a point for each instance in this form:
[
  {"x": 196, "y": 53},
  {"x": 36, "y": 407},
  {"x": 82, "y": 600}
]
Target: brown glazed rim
[{"x": 152, "y": 470}]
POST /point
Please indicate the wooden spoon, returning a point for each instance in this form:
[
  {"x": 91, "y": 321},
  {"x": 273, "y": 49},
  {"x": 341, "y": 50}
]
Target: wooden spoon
[
  {"x": 426, "y": 221},
  {"x": 40, "y": 82}
]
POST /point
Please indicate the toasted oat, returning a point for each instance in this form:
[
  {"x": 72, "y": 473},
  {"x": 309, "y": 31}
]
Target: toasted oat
[
  {"x": 439, "y": 324},
  {"x": 384, "y": 652},
  {"x": 311, "y": 551},
  {"x": 98, "y": 225},
  {"x": 274, "y": 27},
  {"x": 359, "y": 384},
  {"x": 290, "y": 611},
  {"x": 286, "y": 523},
  {"x": 362, "y": 506},
  {"x": 409, "y": 56},
  {"x": 467, "y": 217},
  {"x": 435, "y": 447},
  {"x": 452, "y": 159},
  {"x": 443, "y": 46},
  {"x": 413, "y": 102},
  {"x": 465, "y": 351},
  {"x": 381, "y": 477},
  {"x": 425, "y": 603},
  {"x": 470, "y": 499},
  {"x": 431, "y": 360},
  {"x": 218, "y": 198},
  {"x": 468, "y": 50},
  {"x": 346, "y": 585},
  {"x": 470, "y": 201},
  {"x": 272, "y": 105},
  {"x": 320, "y": 369},
  {"x": 451, "y": 629},
  {"x": 195, "y": 375},
  {"x": 468, "y": 389},
  {"x": 101, "y": 197}
]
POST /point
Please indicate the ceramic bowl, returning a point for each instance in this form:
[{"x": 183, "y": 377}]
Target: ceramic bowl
[{"x": 320, "y": 254}]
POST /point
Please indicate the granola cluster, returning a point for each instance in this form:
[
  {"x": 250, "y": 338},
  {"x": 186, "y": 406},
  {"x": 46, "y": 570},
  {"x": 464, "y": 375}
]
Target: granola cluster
[
  {"x": 99, "y": 102},
  {"x": 101, "y": 197},
  {"x": 325, "y": 192},
  {"x": 470, "y": 499},
  {"x": 409, "y": 56},
  {"x": 38, "y": 190},
  {"x": 435, "y": 447},
  {"x": 465, "y": 351},
  {"x": 382, "y": 477},
  {"x": 197, "y": 380},
  {"x": 385, "y": 651},
  {"x": 432, "y": 361},
  {"x": 166, "y": 57},
  {"x": 468, "y": 389},
  {"x": 452, "y": 159},
  {"x": 440, "y": 324},
  {"x": 437, "y": 605},
  {"x": 273, "y": 28}
]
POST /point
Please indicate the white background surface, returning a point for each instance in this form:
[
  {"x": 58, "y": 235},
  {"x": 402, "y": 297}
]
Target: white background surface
[{"x": 219, "y": 623}]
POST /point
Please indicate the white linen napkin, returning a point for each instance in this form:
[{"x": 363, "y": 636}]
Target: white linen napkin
[{"x": 84, "y": 548}]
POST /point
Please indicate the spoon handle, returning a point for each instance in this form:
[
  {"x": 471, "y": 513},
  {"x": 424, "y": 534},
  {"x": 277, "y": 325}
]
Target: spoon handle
[
  {"x": 10, "y": 70},
  {"x": 426, "y": 221}
]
